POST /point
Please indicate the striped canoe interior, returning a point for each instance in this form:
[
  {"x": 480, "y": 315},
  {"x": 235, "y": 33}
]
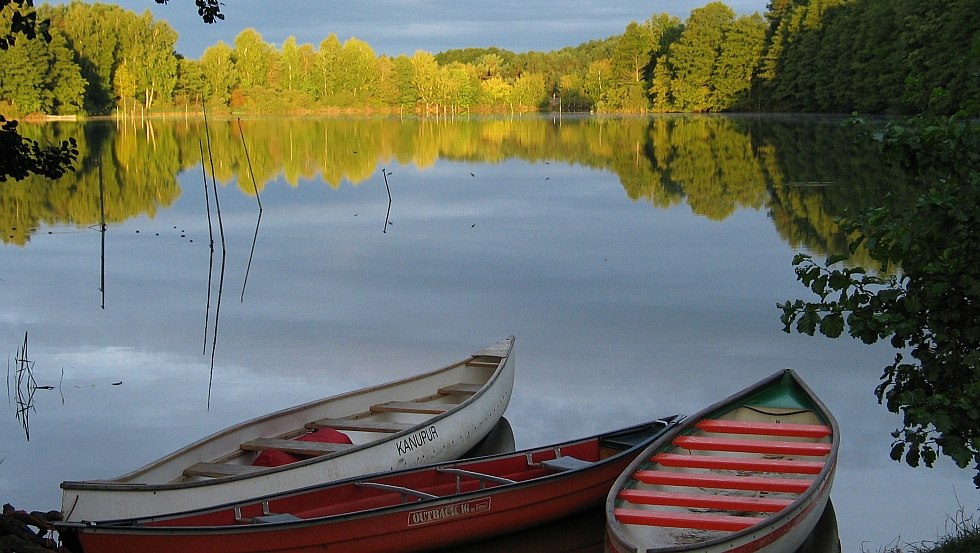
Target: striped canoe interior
[{"x": 725, "y": 473}]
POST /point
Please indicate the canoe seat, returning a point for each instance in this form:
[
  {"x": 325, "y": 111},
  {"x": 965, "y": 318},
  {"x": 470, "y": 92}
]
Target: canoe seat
[
  {"x": 812, "y": 449},
  {"x": 565, "y": 463},
  {"x": 705, "y": 501},
  {"x": 753, "y": 464},
  {"x": 422, "y": 407},
  {"x": 754, "y": 483},
  {"x": 267, "y": 516},
  {"x": 268, "y": 519},
  {"x": 405, "y": 492},
  {"x": 461, "y": 388},
  {"x": 697, "y": 521},
  {"x": 360, "y": 425},
  {"x": 218, "y": 470},
  {"x": 295, "y": 447},
  {"x": 765, "y": 428}
]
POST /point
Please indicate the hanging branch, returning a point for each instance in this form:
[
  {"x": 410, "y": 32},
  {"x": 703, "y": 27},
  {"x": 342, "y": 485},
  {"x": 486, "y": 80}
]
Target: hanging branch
[{"x": 258, "y": 220}]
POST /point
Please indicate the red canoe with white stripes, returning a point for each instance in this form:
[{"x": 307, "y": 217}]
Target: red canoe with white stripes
[{"x": 749, "y": 474}]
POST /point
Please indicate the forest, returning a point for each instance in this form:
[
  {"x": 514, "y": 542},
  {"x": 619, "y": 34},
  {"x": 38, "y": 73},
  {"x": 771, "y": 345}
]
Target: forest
[{"x": 830, "y": 56}]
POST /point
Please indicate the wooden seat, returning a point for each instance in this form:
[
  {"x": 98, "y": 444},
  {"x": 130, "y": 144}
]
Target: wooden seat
[
  {"x": 360, "y": 425},
  {"x": 706, "y": 501},
  {"x": 483, "y": 364},
  {"x": 295, "y": 447},
  {"x": 765, "y": 428},
  {"x": 461, "y": 388},
  {"x": 699, "y": 521},
  {"x": 421, "y": 407},
  {"x": 219, "y": 470},
  {"x": 754, "y": 483},
  {"x": 812, "y": 449},
  {"x": 754, "y": 464}
]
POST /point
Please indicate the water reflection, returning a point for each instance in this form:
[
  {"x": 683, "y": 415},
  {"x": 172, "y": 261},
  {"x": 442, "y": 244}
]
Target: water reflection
[
  {"x": 713, "y": 164},
  {"x": 499, "y": 440}
]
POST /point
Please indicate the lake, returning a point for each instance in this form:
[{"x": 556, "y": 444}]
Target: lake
[{"x": 638, "y": 261}]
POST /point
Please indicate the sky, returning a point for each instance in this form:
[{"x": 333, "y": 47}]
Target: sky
[{"x": 394, "y": 27}]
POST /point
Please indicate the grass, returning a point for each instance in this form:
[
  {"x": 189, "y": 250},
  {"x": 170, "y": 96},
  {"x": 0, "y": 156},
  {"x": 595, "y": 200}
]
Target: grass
[{"x": 962, "y": 536}]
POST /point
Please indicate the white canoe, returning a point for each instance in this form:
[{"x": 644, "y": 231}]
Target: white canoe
[{"x": 436, "y": 416}]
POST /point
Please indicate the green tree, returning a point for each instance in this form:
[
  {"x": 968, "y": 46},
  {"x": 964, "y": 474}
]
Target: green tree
[
  {"x": 190, "y": 86},
  {"x": 359, "y": 71},
  {"x": 490, "y": 65},
  {"x": 630, "y": 64},
  {"x": 148, "y": 46},
  {"x": 425, "y": 73},
  {"x": 327, "y": 65},
  {"x": 217, "y": 63},
  {"x": 253, "y": 59},
  {"x": 124, "y": 85},
  {"x": 571, "y": 92},
  {"x": 529, "y": 91},
  {"x": 660, "y": 87},
  {"x": 740, "y": 54},
  {"x": 402, "y": 90},
  {"x": 495, "y": 91},
  {"x": 459, "y": 85},
  {"x": 65, "y": 78},
  {"x": 94, "y": 33},
  {"x": 926, "y": 297},
  {"x": 289, "y": 65},
  {"x": 22, "y": 78},
  {"x": 597, "y": 82},
  {"x": 695, "y": 55}
]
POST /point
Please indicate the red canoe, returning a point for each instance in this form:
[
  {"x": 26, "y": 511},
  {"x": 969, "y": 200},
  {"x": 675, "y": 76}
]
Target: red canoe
[{"x": 407, "y": 510}]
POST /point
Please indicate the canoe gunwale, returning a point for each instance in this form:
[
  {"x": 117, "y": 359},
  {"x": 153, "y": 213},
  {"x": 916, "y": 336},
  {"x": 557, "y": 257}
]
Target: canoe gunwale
[
  {"x": 125, "y": 483},
  {"x": 802, "y": 505}
]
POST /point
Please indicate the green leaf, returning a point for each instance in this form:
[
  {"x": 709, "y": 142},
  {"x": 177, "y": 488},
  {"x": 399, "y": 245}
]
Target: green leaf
[
  {"x": 898, "y": 448},
  {"x": 807, "y": 323},
  {"x": 832, "y": 325}
]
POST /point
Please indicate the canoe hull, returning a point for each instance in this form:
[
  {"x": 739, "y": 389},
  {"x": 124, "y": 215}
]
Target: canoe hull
[
  {"x": 750, "y": 474},
  {"x": 438, "y": 525},
  {"x": 436, "y": 522},
  {"x": 158, "y": 488}
]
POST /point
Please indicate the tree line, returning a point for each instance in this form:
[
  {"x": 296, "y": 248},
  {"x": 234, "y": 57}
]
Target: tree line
[{"x": 802, "y": 55}]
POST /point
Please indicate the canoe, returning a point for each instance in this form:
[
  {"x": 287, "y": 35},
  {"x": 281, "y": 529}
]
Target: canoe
[
  {"x": 417, "y": 509},
  {"x": 432, "y": 417},
  {"x": 751, "y": 473}
]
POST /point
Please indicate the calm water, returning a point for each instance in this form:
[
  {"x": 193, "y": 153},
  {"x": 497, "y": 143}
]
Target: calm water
[{"x": 638, "y": 262}]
